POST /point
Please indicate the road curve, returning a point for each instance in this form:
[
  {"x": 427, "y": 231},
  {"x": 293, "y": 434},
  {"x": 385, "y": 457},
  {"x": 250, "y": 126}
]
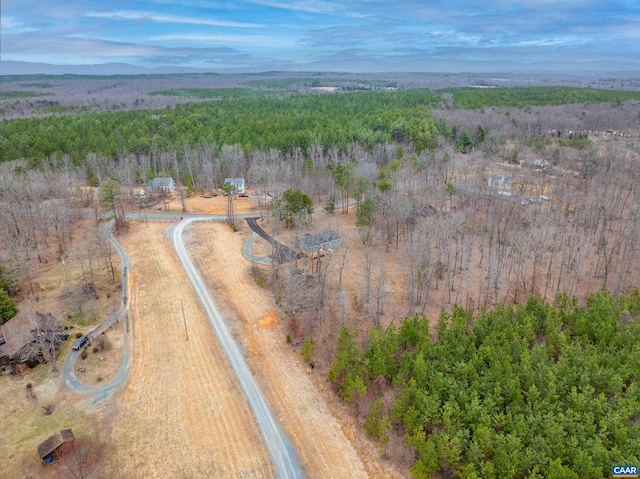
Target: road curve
[
  {"x": 283, "y": 454},
  {"x": 69, "y": 368}
]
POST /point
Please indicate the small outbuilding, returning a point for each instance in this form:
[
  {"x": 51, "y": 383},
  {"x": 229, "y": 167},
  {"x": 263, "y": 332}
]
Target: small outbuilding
[
  {"x": 56, "y": 447},
  {"x": 162, "y": 184},
  {"x": 239, "y": 185}
]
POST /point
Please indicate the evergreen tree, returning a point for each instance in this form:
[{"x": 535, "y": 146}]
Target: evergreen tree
[
  {"x": 108, "y": 195},
  {"x": 366, "y": 213},
  {"x": 293, "y": 206},
  {"x": 481, "y": 134},
  {"x": 7, "y": 307},
  {"x": 464, "y": 142}
]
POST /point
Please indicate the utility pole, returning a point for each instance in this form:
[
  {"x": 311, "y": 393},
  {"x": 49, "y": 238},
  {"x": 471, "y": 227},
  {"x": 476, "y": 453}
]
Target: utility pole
[
  {"x": 184, "y": 319},
  {"x": 64, "y": 270}
]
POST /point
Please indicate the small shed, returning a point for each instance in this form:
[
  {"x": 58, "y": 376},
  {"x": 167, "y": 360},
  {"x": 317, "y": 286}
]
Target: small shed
[
  {"x": 239, "y": 185},
  {"x": 56, "y": 447},
  {"x": 165, "y": 184},
  {"x": 311, "y": 244}
]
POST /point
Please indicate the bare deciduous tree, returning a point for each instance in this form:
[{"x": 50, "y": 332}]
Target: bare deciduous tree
[
  {"x": 83, "y": 461},
  {"x": 45, "y": 337}
]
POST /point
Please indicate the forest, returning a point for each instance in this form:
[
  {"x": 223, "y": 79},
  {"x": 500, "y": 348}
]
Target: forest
[
  {"x": 295, "y": 122},
  {"x": 535, "y": 390},
  {"x": 488, "y": 326}
]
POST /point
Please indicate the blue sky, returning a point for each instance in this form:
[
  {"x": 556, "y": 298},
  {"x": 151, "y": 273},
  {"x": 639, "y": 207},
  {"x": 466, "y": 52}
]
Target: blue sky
[{"x": 281, "y": 34}]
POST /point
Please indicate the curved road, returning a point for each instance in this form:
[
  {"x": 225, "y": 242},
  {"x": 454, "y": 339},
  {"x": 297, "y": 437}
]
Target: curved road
[
  {"x": 283, "y": 455},
  {"x": 69, "y": 367}
]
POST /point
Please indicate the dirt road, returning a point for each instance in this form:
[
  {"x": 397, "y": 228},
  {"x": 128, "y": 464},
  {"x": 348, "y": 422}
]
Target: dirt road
[
  {"x": 283, "y": 455},
  {"x": 181, "y": 412},
  {"x": 322, "y": 442}
]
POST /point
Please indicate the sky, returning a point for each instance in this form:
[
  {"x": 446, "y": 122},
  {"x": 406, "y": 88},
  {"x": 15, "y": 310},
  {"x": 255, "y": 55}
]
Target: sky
[{"x": 261, "y": 35}]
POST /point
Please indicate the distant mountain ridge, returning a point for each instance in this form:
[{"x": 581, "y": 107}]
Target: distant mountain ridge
[
  {"x": 11, "y": 67},
  {"x": 26, "y": 68}
]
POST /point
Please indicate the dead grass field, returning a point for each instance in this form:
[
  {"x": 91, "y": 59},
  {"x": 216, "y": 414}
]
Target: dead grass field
[
  {"x": 328, "y": 447},
  {"x": 181, "y": 412},
  {"x": 25, "y": 425}
]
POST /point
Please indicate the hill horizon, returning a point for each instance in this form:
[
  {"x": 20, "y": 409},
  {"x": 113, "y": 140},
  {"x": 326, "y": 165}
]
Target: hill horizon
[{"x": 11, "y": 67}]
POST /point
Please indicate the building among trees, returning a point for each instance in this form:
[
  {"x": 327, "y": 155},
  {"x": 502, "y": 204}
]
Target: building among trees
[
  {"x": 56, "y": 446},
  {"x": 239, "y": 185},
  {"x": 313, "y": 244},
  {"x": 165, "y": 184},
  {"x": 26, "y": 338},
  {"x": 13, "y": 341}
]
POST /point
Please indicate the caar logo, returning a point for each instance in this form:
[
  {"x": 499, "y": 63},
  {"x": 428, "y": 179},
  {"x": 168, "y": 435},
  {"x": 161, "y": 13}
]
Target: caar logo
[{"x": 624, "y": 471}]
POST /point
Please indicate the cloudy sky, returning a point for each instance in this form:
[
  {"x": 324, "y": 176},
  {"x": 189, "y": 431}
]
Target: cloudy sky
[{"x": 273, "y": 34}]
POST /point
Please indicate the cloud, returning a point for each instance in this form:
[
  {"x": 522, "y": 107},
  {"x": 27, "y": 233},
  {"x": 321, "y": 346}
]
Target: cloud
[
  {"x": 13, "y": 25},
  {"x": 296, "y": 31},
  {"x": 260, "y": 41},
  {"x": 165, "y": 18},
  {"x": 309, "y": 6}
]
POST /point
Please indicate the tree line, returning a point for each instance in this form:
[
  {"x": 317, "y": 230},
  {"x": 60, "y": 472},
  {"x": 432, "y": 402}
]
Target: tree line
[
  {"x": 294, "y": 122},
  {"x": 286, "y": 124}
]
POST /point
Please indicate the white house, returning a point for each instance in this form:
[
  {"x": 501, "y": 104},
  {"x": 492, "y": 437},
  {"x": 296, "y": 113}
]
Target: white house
[
  {"x": 162, "y": 184},
  {"x": 239, "y": 185}
]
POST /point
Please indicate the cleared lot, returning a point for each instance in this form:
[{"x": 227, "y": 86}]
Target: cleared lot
[
  {"x": 327, "y": 447},
  {"x": 181, "y": 412}
]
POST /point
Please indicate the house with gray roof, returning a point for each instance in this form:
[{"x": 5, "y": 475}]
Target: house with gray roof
[
  {"x": 239, "y": 186},
  {"x": 165, "y": 184}
]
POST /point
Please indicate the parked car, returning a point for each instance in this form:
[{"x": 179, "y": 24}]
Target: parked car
[{"x": 81, "y": 341}]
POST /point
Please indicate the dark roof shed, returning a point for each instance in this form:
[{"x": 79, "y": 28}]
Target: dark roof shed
[{"x": 54, "y": 442}]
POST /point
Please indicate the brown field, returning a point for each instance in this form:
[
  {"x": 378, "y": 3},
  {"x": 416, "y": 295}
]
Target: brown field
[
  {"x": 327, "y": 447},
  {"x": 181, "y": 412},
  {"x": 181, "y": 400}
]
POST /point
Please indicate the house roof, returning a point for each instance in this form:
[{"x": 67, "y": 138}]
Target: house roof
[
  {"x": 310, "y": 243},
  {"x": 16, "y": 334},
  {"x": 235, "y": 181},
  {"x": 54, "y": 442},
  {"x": 161, "y": 181}
]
